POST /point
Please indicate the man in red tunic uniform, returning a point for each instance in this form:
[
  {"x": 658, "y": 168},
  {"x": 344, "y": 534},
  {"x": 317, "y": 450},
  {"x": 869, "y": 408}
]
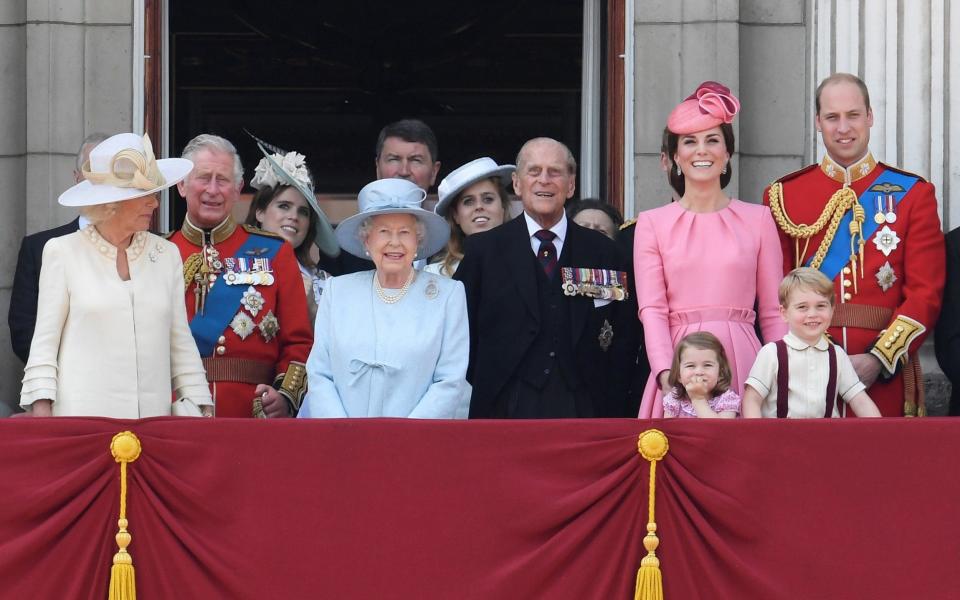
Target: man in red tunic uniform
[
  {"x": 244, "y": 294},
  {"x": 874, "y": 230}
]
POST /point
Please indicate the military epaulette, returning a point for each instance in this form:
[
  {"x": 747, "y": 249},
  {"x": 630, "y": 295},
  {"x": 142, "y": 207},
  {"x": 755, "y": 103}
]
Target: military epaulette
[
  {"x": 629, "y": 223},
  {"x": 902, "y": 172},
  {"x": 167, "y": 235},
  {"x": 795, "y": 174},
  {"x": 257, "y": 231}
]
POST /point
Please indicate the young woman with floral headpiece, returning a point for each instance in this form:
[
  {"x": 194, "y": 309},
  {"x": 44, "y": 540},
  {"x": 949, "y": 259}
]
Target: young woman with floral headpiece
[{"x": 286, "y": 205}]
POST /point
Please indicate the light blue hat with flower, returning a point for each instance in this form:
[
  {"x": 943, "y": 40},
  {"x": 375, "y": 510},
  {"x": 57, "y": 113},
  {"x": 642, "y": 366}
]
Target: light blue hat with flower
[
  {"x": 278, "y": 167},
  {"x": 392, "y": 196}
]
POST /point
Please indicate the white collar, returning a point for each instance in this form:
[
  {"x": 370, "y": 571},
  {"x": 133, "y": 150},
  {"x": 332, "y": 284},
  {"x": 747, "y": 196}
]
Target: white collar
[
  {"x": 559, "y": 228},
  {"x": 797, "y": 344}
]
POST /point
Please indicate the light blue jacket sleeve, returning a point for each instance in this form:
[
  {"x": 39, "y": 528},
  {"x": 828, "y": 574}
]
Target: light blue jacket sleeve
[
  {"x": 448, "y": 396},
  {"x": 322, "y": 399}
]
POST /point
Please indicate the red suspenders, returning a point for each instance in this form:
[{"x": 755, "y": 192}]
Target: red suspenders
[{"x": 783, "y": 379}]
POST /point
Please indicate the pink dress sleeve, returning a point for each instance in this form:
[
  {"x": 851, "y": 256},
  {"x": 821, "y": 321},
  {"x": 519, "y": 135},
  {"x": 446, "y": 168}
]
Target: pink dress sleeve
[
  {"x": 671, "y": 405},
  {"x": 652, "y": 296},
  {"x": 769, "y": 275},
  {"x": 729, "y": 400}
]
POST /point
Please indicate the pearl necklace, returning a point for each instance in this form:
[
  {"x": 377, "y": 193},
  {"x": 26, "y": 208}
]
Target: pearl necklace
[{"x": 392, "y": 299}]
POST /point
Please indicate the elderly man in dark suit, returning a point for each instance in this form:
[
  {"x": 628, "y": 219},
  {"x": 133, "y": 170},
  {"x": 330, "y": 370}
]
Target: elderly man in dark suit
[
  {"x": 543, "y": 301},
  {"x": 22, "y": 316}
]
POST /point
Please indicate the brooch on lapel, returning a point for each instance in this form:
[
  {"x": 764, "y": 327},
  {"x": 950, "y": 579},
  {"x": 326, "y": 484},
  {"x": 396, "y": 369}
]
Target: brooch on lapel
[
  {"x": 599, "y": 284},
  {"x": 431, "y": 291}
]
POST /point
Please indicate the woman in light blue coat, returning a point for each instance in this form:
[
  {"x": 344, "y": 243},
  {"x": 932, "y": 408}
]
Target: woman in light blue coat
[{"x": 392, "y": 342}]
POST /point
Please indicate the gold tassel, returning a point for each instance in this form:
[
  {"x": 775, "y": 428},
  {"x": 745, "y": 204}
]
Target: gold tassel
[
  {"x": 653, "y": 446},
  {"x": 125, "y": 448}
]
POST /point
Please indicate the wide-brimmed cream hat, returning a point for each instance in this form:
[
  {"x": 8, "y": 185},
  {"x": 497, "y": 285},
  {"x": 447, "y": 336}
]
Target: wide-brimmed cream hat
[
  {"x": 122, "y": 167},
  {"x": 466, "y": 175},
  {"x": 391, "y": 196}
]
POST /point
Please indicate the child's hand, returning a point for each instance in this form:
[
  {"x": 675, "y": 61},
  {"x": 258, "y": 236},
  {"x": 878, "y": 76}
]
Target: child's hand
[{"x": 697, "y": 388}]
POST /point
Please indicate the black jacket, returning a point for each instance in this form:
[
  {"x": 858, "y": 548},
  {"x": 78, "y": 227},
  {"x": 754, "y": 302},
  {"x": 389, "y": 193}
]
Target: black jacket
[
  {"x": 501, "y": 286},
  {"x": 22, "y": 316}
]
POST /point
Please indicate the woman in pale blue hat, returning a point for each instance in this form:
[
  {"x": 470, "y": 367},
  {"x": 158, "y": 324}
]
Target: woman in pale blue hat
[
  {"x": 473, "y": 198},
  {"x": 391, "y": 342},
  {"x": 285, "y": 204},
  {"x": 112, "y": 337}
]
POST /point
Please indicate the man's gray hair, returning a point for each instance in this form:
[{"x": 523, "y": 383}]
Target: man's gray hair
[
  {"x": 88, "y": 144},
  {"x": 571, "y": 161},
  {"x": 215, "y": 143}
]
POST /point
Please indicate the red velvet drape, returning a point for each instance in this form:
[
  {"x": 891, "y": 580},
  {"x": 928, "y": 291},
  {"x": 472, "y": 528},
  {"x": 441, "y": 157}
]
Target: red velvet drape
[{"x": 380, "y": 509}]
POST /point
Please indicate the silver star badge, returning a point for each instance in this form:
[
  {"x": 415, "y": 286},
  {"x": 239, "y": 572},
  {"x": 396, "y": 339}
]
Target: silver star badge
[
  {"x": 252, "y": 300},
  {"x": 886, "y": 240},
  {"x": 886, "y": 276},
  {"x": 242, "y": 325},
  {"x": 269, "y": 326}
]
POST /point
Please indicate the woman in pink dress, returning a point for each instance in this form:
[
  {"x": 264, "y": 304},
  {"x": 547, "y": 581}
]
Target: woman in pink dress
[{"x": 704, "y": 262}]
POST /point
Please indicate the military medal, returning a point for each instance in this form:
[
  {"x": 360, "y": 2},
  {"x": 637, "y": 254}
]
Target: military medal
[
  {"x": 600, "y": 284},
  {"x": 886, "y": 276},
  {"x": 879, "y": 217},
  {"x": 242, "y": 325},
  {"x": 252, "y": 300},
  {"x": 245, "y": 271},
  {"x": 606, "y": 335},
  {"x": 886, "y": 240},
  {"x": 891, "y": 216},
  {"x": 269, "y": 326}
]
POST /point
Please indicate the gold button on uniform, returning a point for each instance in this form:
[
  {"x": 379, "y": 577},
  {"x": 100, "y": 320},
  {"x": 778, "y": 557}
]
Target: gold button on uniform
[
  {"x": 847, "y": 283},
  {"x": 847, "y": 296},
  {"x": 887, "y": 344},
  {"x": 221, "y": 350},
  {"x": 846, "y": 270},
  {"x": 222, "y": 340}
]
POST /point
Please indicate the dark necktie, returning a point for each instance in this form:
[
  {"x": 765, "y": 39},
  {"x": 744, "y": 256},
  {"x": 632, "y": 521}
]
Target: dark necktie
[{"x": 547, "y": 254}]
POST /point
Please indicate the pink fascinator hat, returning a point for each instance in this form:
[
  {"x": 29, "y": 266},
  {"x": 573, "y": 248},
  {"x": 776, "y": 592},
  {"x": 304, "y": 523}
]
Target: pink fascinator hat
[{"x": 712, "y": 104}]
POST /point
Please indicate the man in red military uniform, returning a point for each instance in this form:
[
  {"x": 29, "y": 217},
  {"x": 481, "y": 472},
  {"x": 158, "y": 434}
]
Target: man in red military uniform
[
  {"x": 244, "y": 293},
  {"x": 874, "y": 230}
]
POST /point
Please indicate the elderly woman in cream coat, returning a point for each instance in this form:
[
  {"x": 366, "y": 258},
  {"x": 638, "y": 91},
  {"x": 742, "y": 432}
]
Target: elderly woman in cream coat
[
  {"x": 391, "y": 342},
  {"x": 112, "y": 337}
]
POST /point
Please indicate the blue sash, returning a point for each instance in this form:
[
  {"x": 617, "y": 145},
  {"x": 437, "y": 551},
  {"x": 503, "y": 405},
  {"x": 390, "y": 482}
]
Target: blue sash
[
  {"x": 223, "y": 300},
  {"x": 838, "y": 255}
]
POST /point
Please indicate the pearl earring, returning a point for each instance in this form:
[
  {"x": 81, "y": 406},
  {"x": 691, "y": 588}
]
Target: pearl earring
[
  {"x": 724, "y": 171},
  {"x": 679, "y": 172}
]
